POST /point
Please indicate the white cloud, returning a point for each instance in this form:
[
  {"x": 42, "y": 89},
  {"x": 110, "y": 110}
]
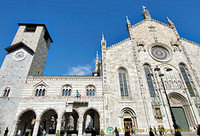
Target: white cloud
[{"x": 80, "y": 70}]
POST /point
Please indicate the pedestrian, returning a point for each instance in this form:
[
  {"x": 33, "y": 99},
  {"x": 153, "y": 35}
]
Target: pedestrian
[
  {"x": 155, "y": 131},
  {"x": 43, "y": 132},
  {"x": 6, "y": 132},
  {"x": 162, "y": 130},
  {"x": 197, "y": 127},
  {"x": 116, "y": 132},
  {"x": 19, "y": 133},
  {"x": 127, "y": 131},
  {"x": 133, "y": 131},
  {"x": 150, "y": 132},
  {"x": 159, "y": 130},
  {"x": 178, "y": 131},
  {"x": 26, "y": 132},
  {"x": 93, "y": 132},
  {"x": 0, "y": 130}
]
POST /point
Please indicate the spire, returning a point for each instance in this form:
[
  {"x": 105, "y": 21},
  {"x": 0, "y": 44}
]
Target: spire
[
  {"x": 97, "y": 61},
  {"x": 103, "y": 42},
  {"x": 128, "y": 23},
  {"x": 102, "y": 36},
  {"x": 97, "y": 56},
  {"x": 170, "y": 23},
  {"x": 146, "y": 14}
]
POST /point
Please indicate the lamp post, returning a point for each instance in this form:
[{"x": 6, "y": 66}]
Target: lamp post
[{"x": 157, "y": 69}]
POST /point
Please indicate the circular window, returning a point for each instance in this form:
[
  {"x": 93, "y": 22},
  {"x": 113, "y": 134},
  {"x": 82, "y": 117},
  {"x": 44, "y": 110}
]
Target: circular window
[{"x": 159, "y": 52}]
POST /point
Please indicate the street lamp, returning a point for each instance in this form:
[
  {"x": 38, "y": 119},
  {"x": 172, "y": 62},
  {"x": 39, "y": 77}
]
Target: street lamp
[{"x": 157, "y": 69}]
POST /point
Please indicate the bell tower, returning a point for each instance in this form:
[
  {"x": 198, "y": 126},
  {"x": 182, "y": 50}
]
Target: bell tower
[{"x": 26, "y": 57}]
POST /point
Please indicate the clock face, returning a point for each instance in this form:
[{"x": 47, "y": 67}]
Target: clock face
[{"x": 19, "y": 55}]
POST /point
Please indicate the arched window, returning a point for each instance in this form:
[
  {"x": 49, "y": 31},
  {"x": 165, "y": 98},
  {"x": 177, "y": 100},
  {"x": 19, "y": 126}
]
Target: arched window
[
  {"x": 123, "y": 81},
  {"x": 87, "y": 92},
  {"x": 186, "y": 78},
  {"x": 6, "y": 92},
  {"x": 149, "y": 80},
  {"x": 40, "y": 90},
  {"x": 66, "y": 91},
  {"x": 90, "y": 90}
]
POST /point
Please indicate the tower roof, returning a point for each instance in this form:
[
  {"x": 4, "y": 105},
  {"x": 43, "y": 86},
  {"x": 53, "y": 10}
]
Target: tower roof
[
  {"x": 17, "y": 46},
  {"x": 37, "y": 25}
]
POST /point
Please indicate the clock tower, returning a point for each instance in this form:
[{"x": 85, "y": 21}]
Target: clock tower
[{"x": 26, "y": 57}]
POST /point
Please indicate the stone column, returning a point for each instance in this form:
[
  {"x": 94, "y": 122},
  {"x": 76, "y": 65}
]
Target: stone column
[
  {"x": 58, "y": 126},
  {"x": 80, "y": 125},
  {"x": 36, "y": 127}
]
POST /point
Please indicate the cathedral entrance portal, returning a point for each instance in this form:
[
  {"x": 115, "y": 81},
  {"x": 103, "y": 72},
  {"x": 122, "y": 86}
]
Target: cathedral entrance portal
[
  {"x": 180, "y": 117},
  {"x": 48, "y": 122},
  {"x": 128, "y": 119},
  {"x": 91, "y": 120},
  {"x": 182, "y": 111},
  {"x": 69, "y": 123},
  {"x": 127, "y": 124},
  {"x": 26, "y": 122}
]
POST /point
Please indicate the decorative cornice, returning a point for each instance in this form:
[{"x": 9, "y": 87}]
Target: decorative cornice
[
  {"x": 62, "y": 99},
  {"x": 51, "y": 77},
  {"x": 190, "y": 41},
  {"x": 151, "y": 20},
  {"x": 118, "y": 43}
]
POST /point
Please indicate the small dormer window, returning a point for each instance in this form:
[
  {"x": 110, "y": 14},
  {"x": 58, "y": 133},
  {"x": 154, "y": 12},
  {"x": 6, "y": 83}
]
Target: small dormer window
[
  {"x": 6, "y": 92},
  {"x": 30, "y": 28}
]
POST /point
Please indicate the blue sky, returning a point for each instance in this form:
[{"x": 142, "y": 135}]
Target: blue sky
[{"x": 76, "y": 26}]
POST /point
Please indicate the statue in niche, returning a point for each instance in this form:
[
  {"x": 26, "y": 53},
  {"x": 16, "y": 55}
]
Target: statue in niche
[{"x": 141, "y": 48}]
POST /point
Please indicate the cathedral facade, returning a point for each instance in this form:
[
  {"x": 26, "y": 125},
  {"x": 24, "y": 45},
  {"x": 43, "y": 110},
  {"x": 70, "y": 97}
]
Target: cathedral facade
[{"x": 152, "y": 78}]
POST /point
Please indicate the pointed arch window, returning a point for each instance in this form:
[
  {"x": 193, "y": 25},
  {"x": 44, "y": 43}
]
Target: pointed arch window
[
  {"x": 6, "y": 92},
  {"x": 40, "y": 90},
  {"x": 123, "y": 81},
  {"x": 90, "y": 90},
  {"x": 149, "y": 80},
  {"x": 67, "y": 90},
  {"x": 187, "y": 79}
]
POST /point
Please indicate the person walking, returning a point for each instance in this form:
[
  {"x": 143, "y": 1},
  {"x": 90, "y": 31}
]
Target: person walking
[
  {"x": 151, "y": 132},
  {"x": 27, "y": 132},
  {"x": 43, "y": 132},
  {"x": 127, "y": 131},
  {"x": 116, "y": 132},
  {"x": 133, "y": 131},
  {"x": 93, "y": 132},
  {"x": 155, "y": 132},
  {"x": 162, "y": 130},
  {"x": 19, "y": 133},
  {"x": 6, "y": 132},
  {"x": 159, "y": 130},
  {"x": 197, "y": 127}
]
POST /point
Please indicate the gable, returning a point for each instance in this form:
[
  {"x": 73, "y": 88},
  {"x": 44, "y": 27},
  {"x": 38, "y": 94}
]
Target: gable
[{"x": 151, "y": 31}]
